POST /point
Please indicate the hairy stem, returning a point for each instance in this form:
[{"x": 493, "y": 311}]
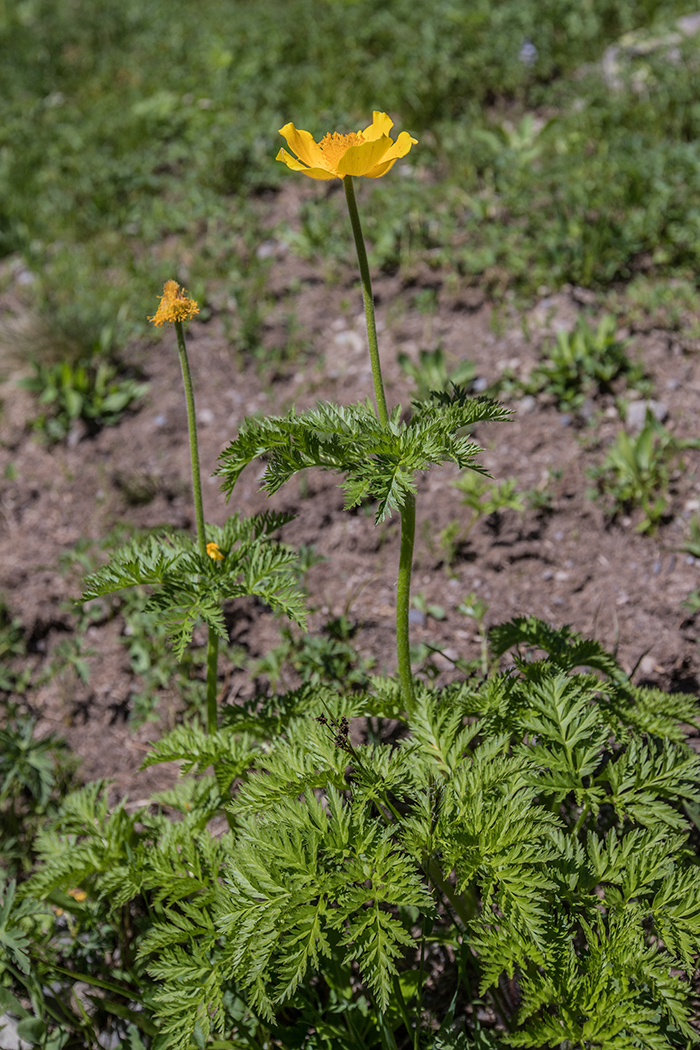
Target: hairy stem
[
  {"x": 194, "y": 448},
  {"x": 463, "y": 909},
  {"x": 213, "y": 638},
  {"x": 403, "y": 600},
  {"x": 212, "y": 664},
  {"x": 419, "y": 993},
  {"x": 582, "y": 818},
  {"x": 379, "y": 396},
  {"x": 408, "y": 511}
]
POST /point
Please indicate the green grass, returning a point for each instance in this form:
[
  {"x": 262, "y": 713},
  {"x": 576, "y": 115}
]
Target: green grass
[{"x": 137, "y": 142}]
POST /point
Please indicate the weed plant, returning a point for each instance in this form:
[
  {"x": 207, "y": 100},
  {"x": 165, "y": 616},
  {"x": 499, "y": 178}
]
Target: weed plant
[
  {"x": 585, "y": 363},
  {"x": 93, "y": 393},
  {"x": 509, "y": 861},
  {"x": 636, "y": 472},
  {"x": 121, "y": 126},
  {"x": 485, "y": 499}
]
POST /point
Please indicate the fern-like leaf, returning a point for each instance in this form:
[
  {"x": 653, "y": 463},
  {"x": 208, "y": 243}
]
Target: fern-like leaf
[{"x": 378, "y": 462}]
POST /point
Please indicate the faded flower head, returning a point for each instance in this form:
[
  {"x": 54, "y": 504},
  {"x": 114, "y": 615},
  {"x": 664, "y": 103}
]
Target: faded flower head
[
  {"x": 175, "y": 305},
  {"x": 370, "y": 152},
  {"x": 214, "y": 552}
]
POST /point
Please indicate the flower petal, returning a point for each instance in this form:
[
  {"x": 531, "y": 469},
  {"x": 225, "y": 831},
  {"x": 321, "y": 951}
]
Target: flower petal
[
  {"x": 302, "y": 143},
  {"x": 398, "y": 149},
  {"x": 296, "y": 165},
  {"x": 380, "y": 169},
  {"x": 358, "y": 160},
  {"x": 381, "y": 125}
]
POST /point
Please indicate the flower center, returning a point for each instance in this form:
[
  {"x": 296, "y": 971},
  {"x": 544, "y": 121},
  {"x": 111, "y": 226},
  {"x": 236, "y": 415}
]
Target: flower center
[{"x": 335, "y": 146}]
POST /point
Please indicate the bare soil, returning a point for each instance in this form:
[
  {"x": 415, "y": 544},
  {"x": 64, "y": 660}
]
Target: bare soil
[{"x": 568, "y": 563}]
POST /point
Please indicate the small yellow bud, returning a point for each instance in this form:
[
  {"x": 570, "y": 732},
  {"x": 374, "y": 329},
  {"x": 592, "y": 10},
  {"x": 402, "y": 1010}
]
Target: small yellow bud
[{"x": 214, "y": 552}]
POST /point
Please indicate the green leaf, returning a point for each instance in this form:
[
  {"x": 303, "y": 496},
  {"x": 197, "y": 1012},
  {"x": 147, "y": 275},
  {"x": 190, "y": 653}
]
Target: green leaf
[
  {"x": 32, "y": 1029},
  {"x": 379, "y": 463}
]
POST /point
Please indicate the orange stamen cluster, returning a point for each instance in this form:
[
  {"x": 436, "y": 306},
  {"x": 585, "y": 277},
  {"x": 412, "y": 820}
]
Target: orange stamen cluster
[
  {"x": 335, "y": 145},
  {"x": 175, "y": 305}
]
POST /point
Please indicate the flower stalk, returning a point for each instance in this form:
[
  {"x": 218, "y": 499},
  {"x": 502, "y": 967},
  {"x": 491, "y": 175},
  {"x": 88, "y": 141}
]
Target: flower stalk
[
  {"x": 194, "y": 447},
  {"x": 403, "y": 600},
  {"x": 369, "y": 153},
  {"x": 175, "y": 307},
  {"x": 212, "y": 636},
  {"x": 408, "y": 511},
  {"x": 368, "y": 300}
]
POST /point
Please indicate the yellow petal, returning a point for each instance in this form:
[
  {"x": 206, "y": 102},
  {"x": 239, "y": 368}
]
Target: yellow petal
[
  {"x": 358, "y": 160},
  {"x": 381, "y": 125},
  {"x": 398, "y": 149},
  {"x": 381, "y": 169},
  {"x": 296, "y": 165},
  {"x": 302, "y": 143}
]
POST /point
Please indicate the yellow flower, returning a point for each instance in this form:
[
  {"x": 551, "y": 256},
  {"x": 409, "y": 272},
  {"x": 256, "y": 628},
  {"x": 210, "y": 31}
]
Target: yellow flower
[
  {"x": 175, "y": 305},
  {"x": 370, "y": 152},
  {"x": 78, "y": 895},
  {"x": 214, "y": 552}
]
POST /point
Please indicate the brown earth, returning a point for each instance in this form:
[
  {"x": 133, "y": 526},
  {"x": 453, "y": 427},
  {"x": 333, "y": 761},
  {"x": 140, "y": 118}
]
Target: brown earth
[{"x": 567, "y": 563}]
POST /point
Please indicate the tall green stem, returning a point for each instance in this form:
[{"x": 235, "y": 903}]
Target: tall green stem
[
  {"x": 403, "y": 600},
  {"x": 212, "y": 664},
  {"x": 408, "y": 511},
  {"x": 382, "y": 414},
  {"x": 194, "y": 448},
  {"x": 213, "y": 638}
]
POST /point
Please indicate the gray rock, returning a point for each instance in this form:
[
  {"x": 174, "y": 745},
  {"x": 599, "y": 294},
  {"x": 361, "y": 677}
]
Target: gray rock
[
  {"x": 9, "y": 1039},
  {"x": 637, "y": 413},
  {"x": 526, "y": 405},
  {"x": 348, "y": 340}
]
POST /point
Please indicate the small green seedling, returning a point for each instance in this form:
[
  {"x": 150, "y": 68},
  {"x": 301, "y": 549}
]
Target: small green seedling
[
  {"x": 96, "y": 394},
  {"x": 484, "y": 497},
  {"x": 692, "y": 543},
  {"x": 421, "y": 604},
  {"x": 476, "y": 609},
  {"x": 584, "y": 363},
  {"x": 635, "y": 473}
]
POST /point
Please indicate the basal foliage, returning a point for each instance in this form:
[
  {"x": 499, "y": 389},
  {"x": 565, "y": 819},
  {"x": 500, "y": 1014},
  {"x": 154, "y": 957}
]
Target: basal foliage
[{"x": 526, "y": 839}]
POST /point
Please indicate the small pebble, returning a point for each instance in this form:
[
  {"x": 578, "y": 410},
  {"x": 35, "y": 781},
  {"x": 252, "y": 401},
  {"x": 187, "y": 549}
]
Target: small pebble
[
  {"x": 159, "y": 420},
  {"x": 647, "y": 665},
  {"x": 416, "y": 617},
  {"x": 266, "y": 250},
  {"x": 637, "y": 413},
  {"x": 349, "y": 340}
]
